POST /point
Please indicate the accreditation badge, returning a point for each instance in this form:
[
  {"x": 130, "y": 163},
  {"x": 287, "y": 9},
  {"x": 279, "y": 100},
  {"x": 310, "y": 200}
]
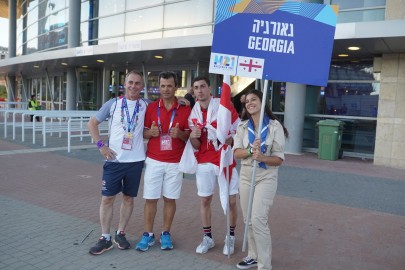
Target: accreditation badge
[
  {"x": 165, "y": 142},
  {"x": 127, "y": 141}
]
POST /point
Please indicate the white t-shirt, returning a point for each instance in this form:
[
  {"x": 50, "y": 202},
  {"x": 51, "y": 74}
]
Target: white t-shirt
[{"x": 112, "y": 109}]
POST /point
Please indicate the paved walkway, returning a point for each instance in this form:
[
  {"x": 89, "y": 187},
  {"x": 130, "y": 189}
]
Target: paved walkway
[{"x": 344, "y": 214}]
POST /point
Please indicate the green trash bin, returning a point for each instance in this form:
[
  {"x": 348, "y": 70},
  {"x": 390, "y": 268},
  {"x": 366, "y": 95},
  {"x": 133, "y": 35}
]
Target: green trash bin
[{"x": 330, "y": 139}]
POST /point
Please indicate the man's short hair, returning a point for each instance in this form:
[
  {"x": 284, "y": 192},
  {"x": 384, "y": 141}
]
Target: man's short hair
[
  {"x": 140, "y": 74},
  {"x": 201, "y": 78},
  {"x": 167, "y": 75}
]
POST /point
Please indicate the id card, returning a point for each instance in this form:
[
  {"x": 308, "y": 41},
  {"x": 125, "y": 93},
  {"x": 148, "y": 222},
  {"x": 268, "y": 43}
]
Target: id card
[
  {"x": 127, "y": 142},
  {"x": 165, "y": 142}
]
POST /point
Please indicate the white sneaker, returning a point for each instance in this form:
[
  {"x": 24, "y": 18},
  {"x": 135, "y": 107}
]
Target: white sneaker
[
  {"x": 205, "y": 245},
  {"x": 231, "y": 245}
]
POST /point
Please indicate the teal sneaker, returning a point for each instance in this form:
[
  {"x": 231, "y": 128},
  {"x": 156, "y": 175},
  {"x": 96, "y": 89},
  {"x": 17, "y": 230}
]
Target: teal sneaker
[
  {"x": 166, "y": 241},
  {"x": 146, "y": 242}
]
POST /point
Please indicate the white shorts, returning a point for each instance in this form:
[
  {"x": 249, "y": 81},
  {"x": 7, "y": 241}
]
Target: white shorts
[
  {"x": 206, "y": 180},
  {"x": 161, "y": 178}
]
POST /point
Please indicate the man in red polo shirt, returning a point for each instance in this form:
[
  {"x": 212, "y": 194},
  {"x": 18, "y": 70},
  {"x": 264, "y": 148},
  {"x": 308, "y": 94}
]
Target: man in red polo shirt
[{"x": 166, "y": 127}]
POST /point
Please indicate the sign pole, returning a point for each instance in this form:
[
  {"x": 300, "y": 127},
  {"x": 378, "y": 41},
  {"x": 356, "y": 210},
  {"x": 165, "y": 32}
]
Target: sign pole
[{"x": 228, "y": 216}]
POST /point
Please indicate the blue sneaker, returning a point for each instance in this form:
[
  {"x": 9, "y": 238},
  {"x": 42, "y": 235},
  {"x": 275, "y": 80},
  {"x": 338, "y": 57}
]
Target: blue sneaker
[
  {"x": 166, "y": 241},
  {"x": 146, "y": 242}
]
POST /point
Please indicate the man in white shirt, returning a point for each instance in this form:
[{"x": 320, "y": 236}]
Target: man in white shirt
[{"x": 124, "y": 154}]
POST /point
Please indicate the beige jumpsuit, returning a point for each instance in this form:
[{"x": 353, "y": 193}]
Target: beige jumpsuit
[{"x": 265, "y": 186}]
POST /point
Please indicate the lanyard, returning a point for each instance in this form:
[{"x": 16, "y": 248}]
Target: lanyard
[
  {"x": 171, "y": 120},
  {"x": 131, "y": 122}
]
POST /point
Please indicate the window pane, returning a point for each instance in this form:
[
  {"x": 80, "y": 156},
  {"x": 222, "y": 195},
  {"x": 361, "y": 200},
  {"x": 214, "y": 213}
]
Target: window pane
[
  {"x": 107, "y": 7},
  {"x": 344, "y": 4},
  {"x": 355, "y": 99},
  {"x": 85, "y": 11},
  {"x": 144, "y": 20},
  {"x": 351, "y": 71},
  {"x": 358, "y": 135},
  {"x": 361, "y": 16},
  {"x": 278, "y": 98},
  {"x": 188, "y": 31},
  {"x": 19, "y": 36},
  {"x": 111, "y": 26},
  {"x": 32, "y": 31},
  {"x": 32, "y": 16},
  {"x": 32, "y": 46},
  {"x": 53, "y": 21},
  {"x": 183, "y": 14},
  {"x": 84, "y": 31},
  {"x": 32, "y": 5},
  {"x": 131, "y": 4}
]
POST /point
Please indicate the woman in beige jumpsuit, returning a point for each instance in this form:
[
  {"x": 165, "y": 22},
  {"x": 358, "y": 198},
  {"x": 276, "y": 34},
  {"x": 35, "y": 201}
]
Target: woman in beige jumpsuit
[{"x": 269, "y": 156}]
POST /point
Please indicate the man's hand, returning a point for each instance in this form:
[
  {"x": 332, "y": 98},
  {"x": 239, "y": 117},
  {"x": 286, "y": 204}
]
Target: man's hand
[
  {"x": 154, "y": 130},
  {"x": 174, "y": 131},
  {"x": 195, "y": 132},
  {"x": 107, "y": 153}
]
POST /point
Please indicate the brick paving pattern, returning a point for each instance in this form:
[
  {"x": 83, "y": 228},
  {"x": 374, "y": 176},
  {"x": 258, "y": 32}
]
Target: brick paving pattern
[{"x": 344, "y": 214}]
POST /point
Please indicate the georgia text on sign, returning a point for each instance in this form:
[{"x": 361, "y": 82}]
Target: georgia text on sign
[{"x": 272, "y": 44}]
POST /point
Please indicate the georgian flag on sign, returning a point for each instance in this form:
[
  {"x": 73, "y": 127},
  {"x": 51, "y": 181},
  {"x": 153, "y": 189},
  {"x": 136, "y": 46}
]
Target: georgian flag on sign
[
  {"x": 227, "y": 122},
  {"x": 250, "y": 67}
]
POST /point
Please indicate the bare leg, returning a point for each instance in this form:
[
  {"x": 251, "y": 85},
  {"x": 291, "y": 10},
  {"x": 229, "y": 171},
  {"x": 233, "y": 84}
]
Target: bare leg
[
  {"x": 106, "y": 213},
  {"x": 169, "y": 209},
  {"x": 150, "y": 209},
  {"x": 127, "y": 206},
  {"x": 233, "y": 211},
  {"x": 205, "y": 210}
]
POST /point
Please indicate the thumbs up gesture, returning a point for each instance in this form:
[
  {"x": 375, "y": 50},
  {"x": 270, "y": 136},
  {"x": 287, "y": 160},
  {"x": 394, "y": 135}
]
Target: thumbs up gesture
[
  {"x": 154, "y": 130},
  {"x": 195, "y": 132},
  {"x": 174, "y": 131}
]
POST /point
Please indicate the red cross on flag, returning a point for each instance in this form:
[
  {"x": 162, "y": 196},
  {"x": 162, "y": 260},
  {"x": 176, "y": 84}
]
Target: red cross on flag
[
  {"x": 250, "y": 67},
  {"x": 227, "y": 122}
]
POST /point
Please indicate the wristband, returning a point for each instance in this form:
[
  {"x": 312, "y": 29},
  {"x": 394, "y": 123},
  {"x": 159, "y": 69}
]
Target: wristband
[
  {"x": 249, "y": 151},
  {"x": 100, "y": 144}
]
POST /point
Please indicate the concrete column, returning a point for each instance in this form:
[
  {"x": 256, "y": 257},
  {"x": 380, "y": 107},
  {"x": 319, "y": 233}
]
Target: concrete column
[
  {"x": 294, "y": 116},
  {"x": 71, "y": 82},
  {"x": 73, "y": 41},
  {"x": 12, "y": 28},
  {"x": 11, "y": 88},
  {"x": 12, "y": 41},
  {"x": 105, "y": 86},
  {"x": 24, "y": 34},
  {"x": 74, "y": 23}
]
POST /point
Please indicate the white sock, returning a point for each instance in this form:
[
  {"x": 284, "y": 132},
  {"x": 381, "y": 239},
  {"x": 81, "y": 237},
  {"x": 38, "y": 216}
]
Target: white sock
[{"x": 107, "y": 236}]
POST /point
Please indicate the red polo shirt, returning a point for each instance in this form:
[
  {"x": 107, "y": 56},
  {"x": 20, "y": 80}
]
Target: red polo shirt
[{"x": 180, "y": 116}]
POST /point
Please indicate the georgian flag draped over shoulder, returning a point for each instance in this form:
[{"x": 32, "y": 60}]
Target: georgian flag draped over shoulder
[
  {"x": 227, "y": 122},
  {"x": 225, "y": 118}
]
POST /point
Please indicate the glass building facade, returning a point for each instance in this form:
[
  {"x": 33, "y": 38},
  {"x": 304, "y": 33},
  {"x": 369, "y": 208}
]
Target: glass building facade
[
  {"x": 43, "y": 23},
  {"x": 351, "y": 96},
  {"x": 360, "y": 10}
]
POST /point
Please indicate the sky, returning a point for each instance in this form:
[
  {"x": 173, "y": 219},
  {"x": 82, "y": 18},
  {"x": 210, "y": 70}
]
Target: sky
[{"x": 3, "y": 32}]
